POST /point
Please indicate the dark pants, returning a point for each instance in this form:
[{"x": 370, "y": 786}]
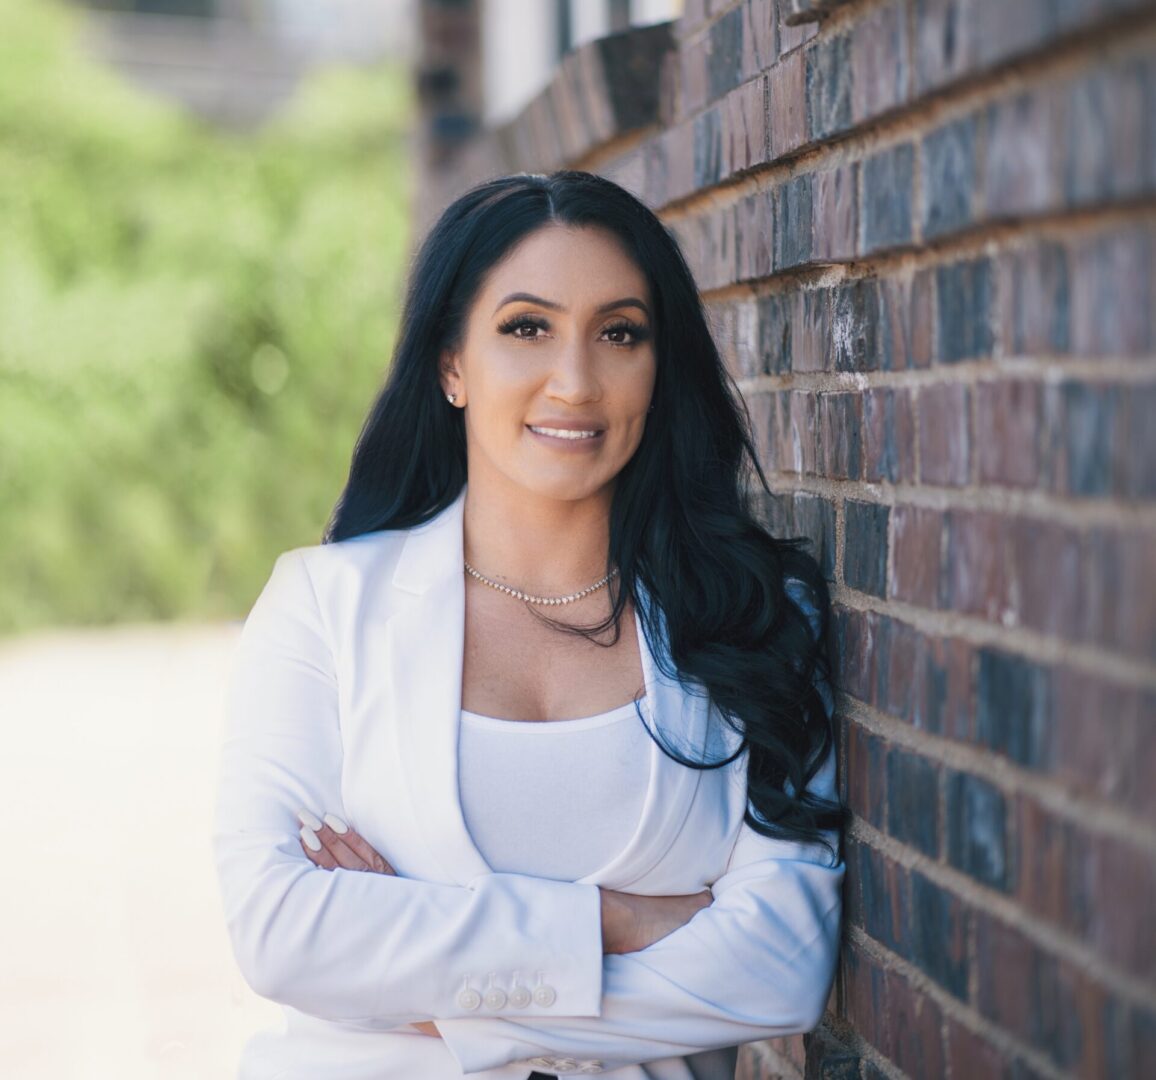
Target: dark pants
[{"x": 542, "y": 1076}]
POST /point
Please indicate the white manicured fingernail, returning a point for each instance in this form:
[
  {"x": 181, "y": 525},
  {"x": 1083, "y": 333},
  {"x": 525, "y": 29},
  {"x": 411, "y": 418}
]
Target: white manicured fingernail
[
  {"x": 310, "y": 838},
  {"x": 336, "y": 824},
  {"x": 310, "y": 819}
]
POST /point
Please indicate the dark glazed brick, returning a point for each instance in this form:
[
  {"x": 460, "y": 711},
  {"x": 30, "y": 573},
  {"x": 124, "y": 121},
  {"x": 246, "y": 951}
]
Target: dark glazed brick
[
  {"x": 829, "y": 87},
  {"x": 1113, "y": 293},
  {"x": 855, "y": 326},
  {"x": 724, "y": 57},
  {"x": 1081, "y": 438},
  {"x": 865, "y": 778},
  {"x": 913, "y": 800},
  {"x": 854, "y": 631},
  {"x": 1106, "y": 136},
  {"x": 1014, "y": 706},
  {"x": 947, "y": 168},
  {"x": 896, "y": 325},
  {"x": 840, "y": 422},
  {"x": 1136, "y": 477},
  {"x": 977, "y": 840},
  {"x": 829, "y": 1059},
  {"x": 950, "y": 692},
  {"x": 793, "y": 222},
  {"x": 707, "y": 148},
  {"x": 944, "y": 43},
  {"x": 865, "y": 546},
  {"x": 888, "y": 435},
  {"x": 939, "y": 934},
  {"x": 774, "y": 322},
  {"x": 885, "y": 216},
  {"x": 964, "y": 310}
]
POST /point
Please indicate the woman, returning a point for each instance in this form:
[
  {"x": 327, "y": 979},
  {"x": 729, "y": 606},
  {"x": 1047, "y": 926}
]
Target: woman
[{"x": 529, "y": 766}]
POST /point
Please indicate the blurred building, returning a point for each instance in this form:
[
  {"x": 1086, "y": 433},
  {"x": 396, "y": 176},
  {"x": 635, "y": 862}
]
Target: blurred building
[{"x": 234, "y": 62}]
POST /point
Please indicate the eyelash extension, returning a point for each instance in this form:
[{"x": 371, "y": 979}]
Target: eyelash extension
[{"x": 640, "y": 333}]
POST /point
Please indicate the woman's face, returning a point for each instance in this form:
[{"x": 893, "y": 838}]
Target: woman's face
[{"x": 557, "y": 365}]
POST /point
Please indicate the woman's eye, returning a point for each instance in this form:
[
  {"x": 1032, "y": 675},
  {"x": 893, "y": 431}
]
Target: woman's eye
[
  {"x": 514, "y": 325},
  {"x": 637, "y": 333}
]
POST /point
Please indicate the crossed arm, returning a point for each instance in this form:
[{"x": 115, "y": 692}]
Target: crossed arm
[{"x": 390, "y": 951}]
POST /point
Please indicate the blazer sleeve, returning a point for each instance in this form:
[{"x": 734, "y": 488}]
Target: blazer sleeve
[
  {"x": 757, "y": 963},
  {"x": 342, "y": 944}
]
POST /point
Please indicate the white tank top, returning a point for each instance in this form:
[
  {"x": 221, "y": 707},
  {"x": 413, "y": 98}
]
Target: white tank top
[{"x": 553, "y": 798}]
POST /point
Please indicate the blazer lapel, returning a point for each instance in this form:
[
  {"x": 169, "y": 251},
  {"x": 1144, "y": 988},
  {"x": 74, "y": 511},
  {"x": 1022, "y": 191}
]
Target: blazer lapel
[
  {"x": 424, "y": 653},
  {"x": 424, "y": 660}
]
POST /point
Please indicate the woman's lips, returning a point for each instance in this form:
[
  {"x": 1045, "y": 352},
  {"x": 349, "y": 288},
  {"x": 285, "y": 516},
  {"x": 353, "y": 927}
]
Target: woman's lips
[{"x": 567, "y": 438}]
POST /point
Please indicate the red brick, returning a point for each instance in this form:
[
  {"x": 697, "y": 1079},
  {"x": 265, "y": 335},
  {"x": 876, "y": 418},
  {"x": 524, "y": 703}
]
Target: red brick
[
  {"x": 923, "y": 318},
  {"x": 879, "y": 62},
  {"x": 1008, "y": 416},
  {"x": 791, "y": 37},
  {"x": 760, "y": 42},
  {"x": 888, "y": 435},
  {"x": 1045, "y": 568},
  {"x": 811, "y": 336},
  {"x": 969, "y": 1055},
  {"x": 835, "y": 225},
  {"x": 1034, "y": 300},
  {"x": 1112, "y": 291},
  {"x": 1096, "y": 726},
  {"x": 913, "y": 1038},
  {"x": 744, "y": 121},
  {"x": 976, "y": 578},
  {"x": 1043, "y": 854},
  {"x": 916, "y": 542},
  {"x": 787, "y": 86},
  {"x": 944, "y": 434},
  {"x": 693, "y": 74},
  {"x": 1022, "y": 156},
  {"x": 901, "y": 671}
]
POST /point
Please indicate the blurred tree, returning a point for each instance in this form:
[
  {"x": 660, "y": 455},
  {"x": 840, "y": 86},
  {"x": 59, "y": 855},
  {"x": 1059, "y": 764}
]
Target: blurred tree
[{"x": 192, "y": 326}]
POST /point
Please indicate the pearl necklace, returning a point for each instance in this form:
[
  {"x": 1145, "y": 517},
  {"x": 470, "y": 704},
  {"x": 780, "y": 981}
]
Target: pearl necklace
[{"x": 519, "y": 595}]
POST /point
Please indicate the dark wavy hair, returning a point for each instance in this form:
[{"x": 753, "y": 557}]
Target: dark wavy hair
[{"x": 682, "y": 523}]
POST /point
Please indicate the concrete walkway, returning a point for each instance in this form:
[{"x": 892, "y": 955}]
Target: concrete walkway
[{"x": 115, "y": 958}]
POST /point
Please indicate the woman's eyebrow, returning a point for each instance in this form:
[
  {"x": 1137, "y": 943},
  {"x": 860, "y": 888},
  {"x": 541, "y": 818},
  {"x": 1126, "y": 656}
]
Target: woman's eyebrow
[{"x": 626, "y": 301}]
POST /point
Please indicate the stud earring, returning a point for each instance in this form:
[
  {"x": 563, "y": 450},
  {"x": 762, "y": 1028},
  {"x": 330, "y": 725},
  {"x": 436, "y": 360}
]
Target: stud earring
[{"x": 451, "y": 398}]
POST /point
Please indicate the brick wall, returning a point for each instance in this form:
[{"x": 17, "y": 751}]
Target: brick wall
[{"x": 926, "y": 230}]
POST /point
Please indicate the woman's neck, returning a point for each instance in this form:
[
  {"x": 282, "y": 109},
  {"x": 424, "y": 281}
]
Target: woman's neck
[{"x": 535, "y": 543}]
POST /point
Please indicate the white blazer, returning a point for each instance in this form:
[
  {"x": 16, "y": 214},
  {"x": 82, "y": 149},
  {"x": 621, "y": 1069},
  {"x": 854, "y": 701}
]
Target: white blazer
[{"x": 345, "y": 697}]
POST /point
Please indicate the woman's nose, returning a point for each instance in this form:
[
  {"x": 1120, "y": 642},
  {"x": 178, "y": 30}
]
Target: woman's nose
[{"x": 574, "y": 378}]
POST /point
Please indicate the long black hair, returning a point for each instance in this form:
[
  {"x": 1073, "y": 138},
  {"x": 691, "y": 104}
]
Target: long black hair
[{"x": 682, "y": 524}]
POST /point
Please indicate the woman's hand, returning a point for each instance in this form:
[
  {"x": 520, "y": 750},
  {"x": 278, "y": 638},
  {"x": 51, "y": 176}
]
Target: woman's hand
[
  {"x": 631, "y": 922},
  {"x": 331, "y": 843}
]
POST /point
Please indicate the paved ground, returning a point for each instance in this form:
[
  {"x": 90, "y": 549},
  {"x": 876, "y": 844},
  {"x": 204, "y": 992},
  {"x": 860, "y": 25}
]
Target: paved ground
[{"x": 115, "y": 960}]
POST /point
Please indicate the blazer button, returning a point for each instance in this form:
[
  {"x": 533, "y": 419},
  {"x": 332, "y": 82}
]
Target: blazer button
[
  {"x": 495, "y": 998},
  {"x": 544, "y": 996},
  {"x": 469, "y": 999},
  {"x": 520, "y": 997}
]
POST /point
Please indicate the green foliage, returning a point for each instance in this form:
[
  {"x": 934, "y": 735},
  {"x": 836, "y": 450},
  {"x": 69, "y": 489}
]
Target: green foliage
[{"x": 192, "y": 326}]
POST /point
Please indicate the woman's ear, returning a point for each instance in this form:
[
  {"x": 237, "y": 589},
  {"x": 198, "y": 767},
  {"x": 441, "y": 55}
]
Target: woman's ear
[{"x": 449, "y": 374}]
